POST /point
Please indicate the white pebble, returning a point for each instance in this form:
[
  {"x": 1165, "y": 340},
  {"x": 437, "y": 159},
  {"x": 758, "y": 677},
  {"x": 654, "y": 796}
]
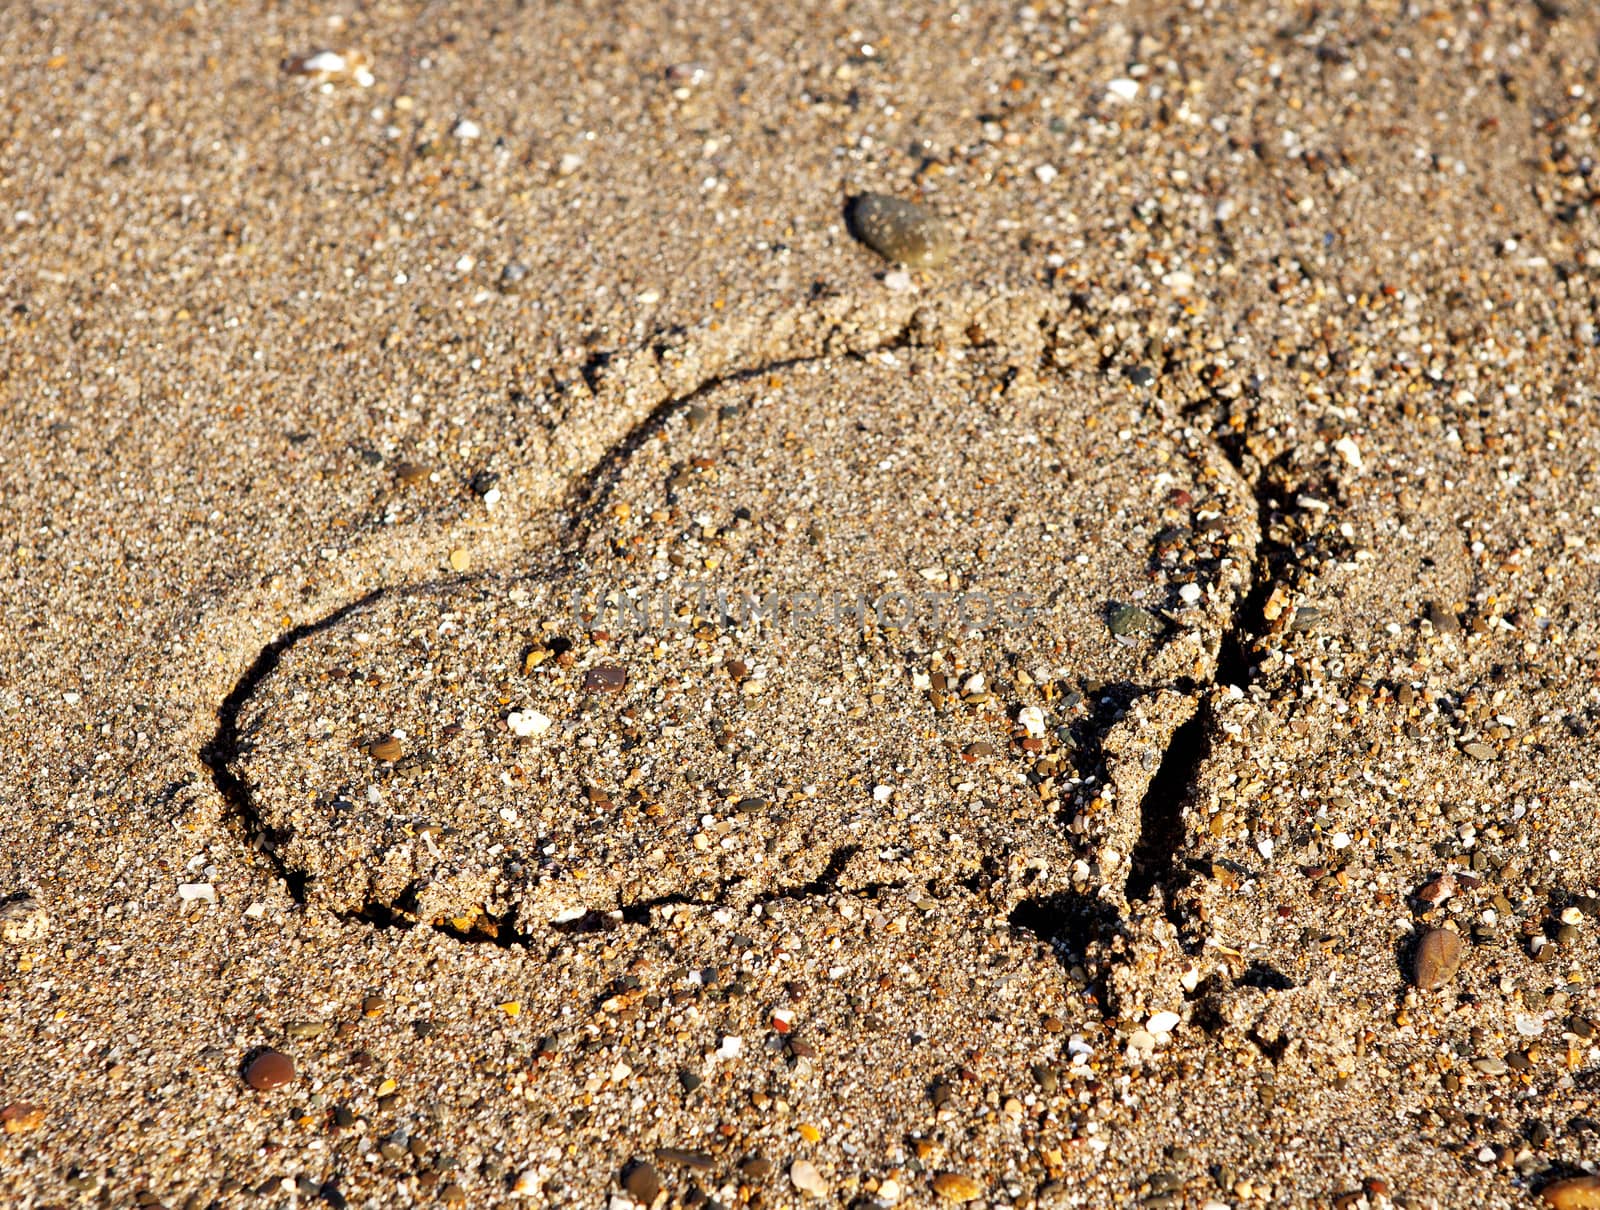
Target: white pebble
[
  {"x": 1032, "y": 720},
  {"x": 1349, "y": 451},
  {"x": 527, "y": 723},
  {"x": 803, "y": 1175},
  {"x": 191, "y": 891},
  {"x": 882, "y": 793},
  {"x": 325, "y": 62},
  {"x": 1123, "y": 89},
  {"x": 466, "y": 129},
  {"x": 732, "y": 1047},
  {"x": 1046, "y": 173},
  {"x": 1162, "y": 1023},
  {"x": 1191, "y": 594}
]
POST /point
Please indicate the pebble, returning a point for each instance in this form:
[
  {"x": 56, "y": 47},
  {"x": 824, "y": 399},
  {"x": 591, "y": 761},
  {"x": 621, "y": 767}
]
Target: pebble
[
  {"x": 755, "y": 1168},
  {"x": 957, "y": 1187},
  {"x": 268, "y": 1070},
  {"x": 527, "y": 723},
  {"x": 1573, "y": 1193},
  {"x": 605, "y": 678},
  {"x": 1163, "y": 1022},
  {"x": 1032, "y": 720},
  {"x": 1436, "y": 959},
  {"x": 389, "y": 749},
  {"x": 1127, "y": 620},
  {"x": 23, "y": 918},
  {"x": 642, "y": 1183},
  {"x": 803, "y": 1175},
  {"x": 900, "y": 231},
  {"x": 21, "y": 1117},
  {"x": 511, "y": 277},
  {"x": 698, "y": 1160}
]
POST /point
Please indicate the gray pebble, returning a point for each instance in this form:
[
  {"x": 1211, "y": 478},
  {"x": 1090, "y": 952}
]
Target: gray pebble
[
  {"x": 900, "y": 231},
  {"x": 1127, "y": 620}
]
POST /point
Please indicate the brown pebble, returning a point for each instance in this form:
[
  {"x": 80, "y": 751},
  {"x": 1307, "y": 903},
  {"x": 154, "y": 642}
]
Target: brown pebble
[
  {"x": 386, "y": 749},
  {"x": 605, "y": 678},
  {"x": 697, "y": 1160},
  {"x": 411, "y": 472},
  {"x": 641, "y": 1182},
  {"x": 957, "y": 1187},
  {"x": 268, "y": 1070},
  {"x": 755, "y": 1167},
  {"x": 1436, "y": 959},
  {"x": 1573, "y": 1193},
  {"x": 21, "y": 1117}
]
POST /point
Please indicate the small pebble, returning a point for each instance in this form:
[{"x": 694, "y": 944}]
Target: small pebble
[
  {"x": 1573, "y": 1193},
  {"x": 900, "y": 231},
  {"x": 804, "y": 1176},
  {"x": 1127, "y": 620},
  {"x": 755, "y": 1168},
  {"x": 511, "y": 278},
  {"x": 1436, "y": 959},
  {"x": 21, "y": 1117},
  {"x": 23, "y": 918},
  {"x": 527, "y": 723},
  {"x": 957, "y": 1187},
  {"x": 389, "y": 749},
  {"x": 641, "y": 1182},
  {"x": 605, "y": 678},
  {"x": 268, "y": 1070}
]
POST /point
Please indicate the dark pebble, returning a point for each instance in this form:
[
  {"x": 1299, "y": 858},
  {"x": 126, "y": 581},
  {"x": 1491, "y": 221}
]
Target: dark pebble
[
  {"x": 1127, "y": 620},
  {"x": 1442, "y": 620},
  {"x": 606, "y": 678},
  {"x": 755, "y": 1167},
  {"x": 641, "y": 1182},
  {"x": 269, "y": 1069},
  {"x": 900, "y": 231},
  {"x": 689, "y": 1159},
  {"x": 512, "y": 275}
]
